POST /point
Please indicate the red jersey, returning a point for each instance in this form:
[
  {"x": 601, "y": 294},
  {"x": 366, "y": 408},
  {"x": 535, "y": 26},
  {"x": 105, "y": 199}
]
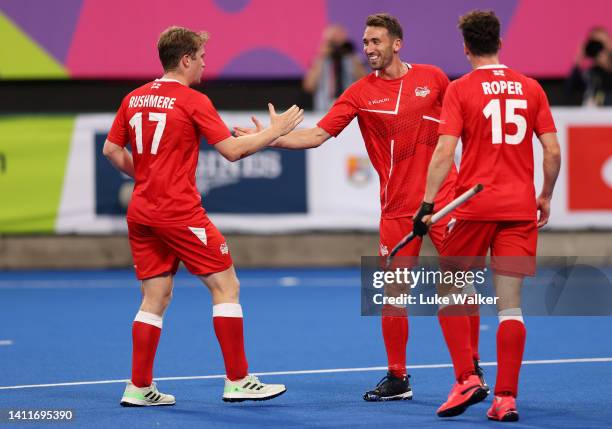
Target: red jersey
[
  {"x": 399, "y": 121},
  {"x": 495, "y": 111},
  {"x": 163, "y": 121}
]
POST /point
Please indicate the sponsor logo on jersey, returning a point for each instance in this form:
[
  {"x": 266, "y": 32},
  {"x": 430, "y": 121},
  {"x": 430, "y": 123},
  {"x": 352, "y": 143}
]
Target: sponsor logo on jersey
[
  {"x": 156, "y": 85},
  {"x": 384, "y": 251},
  {"x": 223, "y": 248},
  {"x": 382, "y": 100},
  {"x": 358, "y": 170},
  {"x": 499, "y": 73},
  {"x": 422, "y": 91}
]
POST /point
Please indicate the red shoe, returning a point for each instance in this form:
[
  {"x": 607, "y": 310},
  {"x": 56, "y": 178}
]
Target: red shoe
[
  {"x": 503, "y": 409},
  {"x": 461, "y": 396}
]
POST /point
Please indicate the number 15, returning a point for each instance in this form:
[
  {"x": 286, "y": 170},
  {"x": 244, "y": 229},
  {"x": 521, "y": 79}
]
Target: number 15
[{"x": 493, "y": 110}]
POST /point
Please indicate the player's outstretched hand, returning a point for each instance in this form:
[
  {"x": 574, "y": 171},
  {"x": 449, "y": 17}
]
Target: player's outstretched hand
[
  {"x": 421, "y": 219},
  {"x": 286, "y": 121},
  {"x": 544, "y": 209},
  {"x": 243, "y": 131}
]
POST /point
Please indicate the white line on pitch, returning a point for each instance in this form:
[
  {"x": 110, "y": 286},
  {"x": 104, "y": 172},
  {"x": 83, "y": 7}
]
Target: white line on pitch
[
  {"x": 310, "y": 371},
  {"x": 6, "y": 342}
]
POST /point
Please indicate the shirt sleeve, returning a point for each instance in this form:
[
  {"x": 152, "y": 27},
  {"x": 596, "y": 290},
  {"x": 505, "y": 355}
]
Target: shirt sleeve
[
  {"x": 544, "y": 122},
  {"x": 207, "y": 120},
  {"x": 340, "y": 115},
  {"x": 120, "y": 131},
  {"x": 452, "y": 116}
]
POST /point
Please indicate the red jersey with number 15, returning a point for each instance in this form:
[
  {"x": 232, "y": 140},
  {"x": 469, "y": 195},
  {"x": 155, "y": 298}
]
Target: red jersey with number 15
[
  {"x": 495, "y": 111},
  {"x": 398, "y": 119},
  {"x": 163, "y": 121}
]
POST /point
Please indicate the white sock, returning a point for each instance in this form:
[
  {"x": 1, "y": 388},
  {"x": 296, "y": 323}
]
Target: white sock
[
  {"x": 149, "y": 319},
  {"x": 511, "y": 314},
  {"x": 227, "y": 309}
]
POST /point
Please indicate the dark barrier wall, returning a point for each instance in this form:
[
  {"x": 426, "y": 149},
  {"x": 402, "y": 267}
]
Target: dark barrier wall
[{"x": 87, "y": 96}]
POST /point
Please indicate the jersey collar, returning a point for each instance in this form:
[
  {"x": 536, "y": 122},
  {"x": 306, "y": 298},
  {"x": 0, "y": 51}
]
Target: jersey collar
[
  {"x": 406, "y": 64},
  {"x": 165, "y": 79},
  {"x": 492, "y": 66}
]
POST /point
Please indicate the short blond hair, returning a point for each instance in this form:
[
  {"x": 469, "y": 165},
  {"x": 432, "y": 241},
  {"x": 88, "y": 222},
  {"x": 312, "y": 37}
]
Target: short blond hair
[{"x": 176, "y": 42}]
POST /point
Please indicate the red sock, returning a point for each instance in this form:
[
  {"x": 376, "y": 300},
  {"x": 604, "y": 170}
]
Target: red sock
[
  {"x": 227, "y": 320},
  {"x": 474, "y": 315},
  {"x": 146, "y": 330},
  {"x": 456, "y": 329},
  {"x": 395, "y": 334},
  {"x": 510, "y": 346}
]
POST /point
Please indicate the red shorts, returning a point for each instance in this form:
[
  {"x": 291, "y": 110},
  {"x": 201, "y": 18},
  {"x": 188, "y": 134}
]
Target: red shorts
[
  {"x": 393, "y": 230},
  {"x": 158, "y": 249},
  {"x": 512, "y": 243}
]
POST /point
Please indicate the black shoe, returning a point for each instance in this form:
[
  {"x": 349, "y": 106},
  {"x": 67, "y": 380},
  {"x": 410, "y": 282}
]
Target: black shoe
[
  {"x": 480, "y": 374},
  {"x": 390, "y": 388}
]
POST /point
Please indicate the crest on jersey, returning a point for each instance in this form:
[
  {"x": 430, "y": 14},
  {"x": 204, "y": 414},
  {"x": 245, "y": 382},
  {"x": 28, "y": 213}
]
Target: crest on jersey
[
  {"x": 498, "y": 73},
  {"x": 422, "y": 91},
  {"x": 223, "y": 248},
  {"x": 156, "y": 85}
]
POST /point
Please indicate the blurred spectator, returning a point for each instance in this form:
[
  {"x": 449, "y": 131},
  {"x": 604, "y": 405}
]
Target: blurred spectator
[
  {"x": 334, "y": 69},
  {"x": 591, "y": 76}
]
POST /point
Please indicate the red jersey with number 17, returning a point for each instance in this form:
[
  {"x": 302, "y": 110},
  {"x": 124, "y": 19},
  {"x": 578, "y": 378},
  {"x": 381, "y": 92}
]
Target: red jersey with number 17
[
  {"x": 495, "y": 110},
  {"x": 398, "y": 119},
  {"x": 163, "y": 121}
]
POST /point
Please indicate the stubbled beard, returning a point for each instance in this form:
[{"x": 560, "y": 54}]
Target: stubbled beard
[{"x": 379, "y": 67}]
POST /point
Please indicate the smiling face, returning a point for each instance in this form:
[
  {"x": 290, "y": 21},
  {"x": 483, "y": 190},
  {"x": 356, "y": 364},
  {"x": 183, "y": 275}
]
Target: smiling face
[{"x": 380, "y": 47}]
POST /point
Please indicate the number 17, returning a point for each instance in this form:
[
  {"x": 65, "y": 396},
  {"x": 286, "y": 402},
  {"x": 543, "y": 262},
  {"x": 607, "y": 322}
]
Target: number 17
[{"x": 136, "y": 123}]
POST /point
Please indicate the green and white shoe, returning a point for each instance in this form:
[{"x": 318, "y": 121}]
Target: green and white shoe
[
  {"x": 145, "y": 396},
  {"x": 251, "y": 389}
]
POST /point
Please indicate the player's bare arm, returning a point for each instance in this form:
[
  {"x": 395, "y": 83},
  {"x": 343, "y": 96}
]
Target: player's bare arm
[
  {"x": 552, "y": 165},
  {"x": 439, "y": 167},
  {"x": 120, "y": 157},
  {"x": 306, "y": 138},
  {"x": 303, "y": 139},
  {"x": 236, "y": 148}
]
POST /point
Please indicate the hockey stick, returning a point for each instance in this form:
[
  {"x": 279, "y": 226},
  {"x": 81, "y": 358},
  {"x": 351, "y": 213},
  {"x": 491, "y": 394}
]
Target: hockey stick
[{"x": 435, "y": 218}]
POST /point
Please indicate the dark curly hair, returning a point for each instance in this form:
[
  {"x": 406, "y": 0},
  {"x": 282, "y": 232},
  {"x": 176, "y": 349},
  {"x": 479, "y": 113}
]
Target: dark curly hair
[{"x": 480, "y": 31}]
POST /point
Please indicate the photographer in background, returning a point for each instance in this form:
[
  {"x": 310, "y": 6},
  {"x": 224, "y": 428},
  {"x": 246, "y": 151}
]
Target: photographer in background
[
  {"x": 591, "y": 76},
  {"x": 335, "y": 68}
]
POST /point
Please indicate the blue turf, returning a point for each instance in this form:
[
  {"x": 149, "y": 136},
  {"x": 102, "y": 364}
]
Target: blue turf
[{"x": 75, "y": 326}]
